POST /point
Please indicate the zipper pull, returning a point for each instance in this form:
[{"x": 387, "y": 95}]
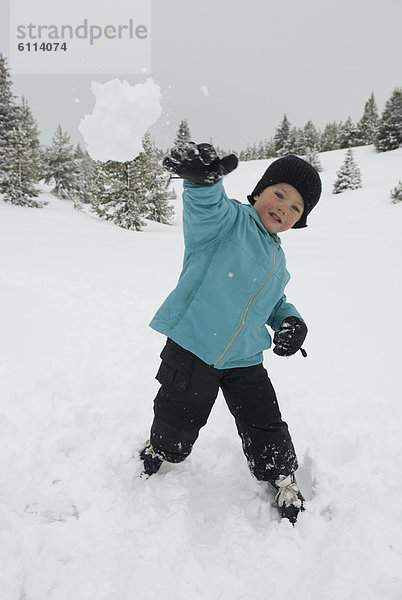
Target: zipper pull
[{"x": 304, "y": 353}]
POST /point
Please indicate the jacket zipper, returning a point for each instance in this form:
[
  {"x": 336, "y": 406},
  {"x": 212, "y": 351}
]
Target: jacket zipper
[{"x": 243, "y": 319}]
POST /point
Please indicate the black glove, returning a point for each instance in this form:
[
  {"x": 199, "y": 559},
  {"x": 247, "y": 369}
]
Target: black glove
[
  {"x": 199, "y": 163},
  {"x": 290, "y": 337}
]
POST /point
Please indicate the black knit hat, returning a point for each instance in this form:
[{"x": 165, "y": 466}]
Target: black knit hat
[{"x": 296, "y": 172}]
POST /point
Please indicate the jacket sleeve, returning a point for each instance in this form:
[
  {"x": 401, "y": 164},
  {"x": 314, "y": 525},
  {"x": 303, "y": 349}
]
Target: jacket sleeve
[
  {"x": 207, "y": 213},
  {"x": 281, "y": 310}
]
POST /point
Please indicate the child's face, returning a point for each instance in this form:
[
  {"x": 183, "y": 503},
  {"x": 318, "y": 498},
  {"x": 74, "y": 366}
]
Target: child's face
[{"x": 279, "y": 207}]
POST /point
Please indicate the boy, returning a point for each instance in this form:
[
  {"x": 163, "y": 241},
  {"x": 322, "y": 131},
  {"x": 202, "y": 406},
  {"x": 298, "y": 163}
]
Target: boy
[{"x": 231, "y": 286}]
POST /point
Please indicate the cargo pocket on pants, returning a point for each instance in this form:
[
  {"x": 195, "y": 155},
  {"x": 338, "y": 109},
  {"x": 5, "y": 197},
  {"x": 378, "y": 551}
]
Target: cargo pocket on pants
[{"x": 176, "y": 366}]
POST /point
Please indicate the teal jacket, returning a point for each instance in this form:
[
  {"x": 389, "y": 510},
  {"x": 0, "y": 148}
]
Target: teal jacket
[{"x": 231, "y": 285}]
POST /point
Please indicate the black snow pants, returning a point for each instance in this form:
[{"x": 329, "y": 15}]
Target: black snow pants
[{"x": 188, "y": 391}]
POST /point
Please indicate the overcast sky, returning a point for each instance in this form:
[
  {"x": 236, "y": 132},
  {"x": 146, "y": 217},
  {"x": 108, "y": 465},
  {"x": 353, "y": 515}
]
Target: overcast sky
[{"x": 258, "y": 59}]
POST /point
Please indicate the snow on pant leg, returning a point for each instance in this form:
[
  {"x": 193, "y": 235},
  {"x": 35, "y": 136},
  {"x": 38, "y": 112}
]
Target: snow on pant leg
[
  {"x": 266, "y": 440},
  {"x": 183, "y": 403}
]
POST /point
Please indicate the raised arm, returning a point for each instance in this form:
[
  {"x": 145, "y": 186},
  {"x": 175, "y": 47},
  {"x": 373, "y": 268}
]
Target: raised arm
[{"x": 207, "y": 211}]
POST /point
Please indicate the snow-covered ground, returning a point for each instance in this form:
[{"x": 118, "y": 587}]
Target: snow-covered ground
[{"x": 77, "y": 368}]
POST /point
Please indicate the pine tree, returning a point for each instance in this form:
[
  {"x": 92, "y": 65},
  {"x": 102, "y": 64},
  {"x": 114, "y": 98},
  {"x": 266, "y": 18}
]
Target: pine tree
[
  {"x": 31, "y": 131},
  {"x": 348, "y": 176},
  {"x": 118, "y": 199},
  {"x": 396, "y": 193},
  {"x": 79, "y": 152},
  {"x": 330, "y": 137},
  {"x": 297, "y": 143},
  {"x": 367, "y": 127},
  {"x": 348, "y": 135},
  {"x": 282, "y": 138},
  {"x": 129, "y": 192},
  {"x": 312, "y": 157},
  {"x": 21, "y": 161},
  {"x": 19, "y": 146},
  {"x": 269, "y": 148},
  {"x": 311, "y": 137},
  {"x": 16, "y": 186},
  {"x": 389, "y": 135},
  {"x": 8, "y": 113},
  {"x": 183, "y": 134},
  {"x": 61, "y": 166},
  {"x": 151, "y": 181},
  {"x": 248, "y": 153},
  {"x": 102, "y": 183},
  {"x": 261, "y": 150},
  {"x": 86, "y": 186},
  {"x": 8, "y": 107}
]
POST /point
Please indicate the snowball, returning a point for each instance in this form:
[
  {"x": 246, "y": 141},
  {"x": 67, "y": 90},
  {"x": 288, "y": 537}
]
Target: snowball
[
  {"x": 205, "y": 90},
  {"x": 121, "y": 116}
]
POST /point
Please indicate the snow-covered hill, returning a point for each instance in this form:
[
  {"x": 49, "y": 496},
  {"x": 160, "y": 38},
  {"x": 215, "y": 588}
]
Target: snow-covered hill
[{"x": 77, "y": 369}]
